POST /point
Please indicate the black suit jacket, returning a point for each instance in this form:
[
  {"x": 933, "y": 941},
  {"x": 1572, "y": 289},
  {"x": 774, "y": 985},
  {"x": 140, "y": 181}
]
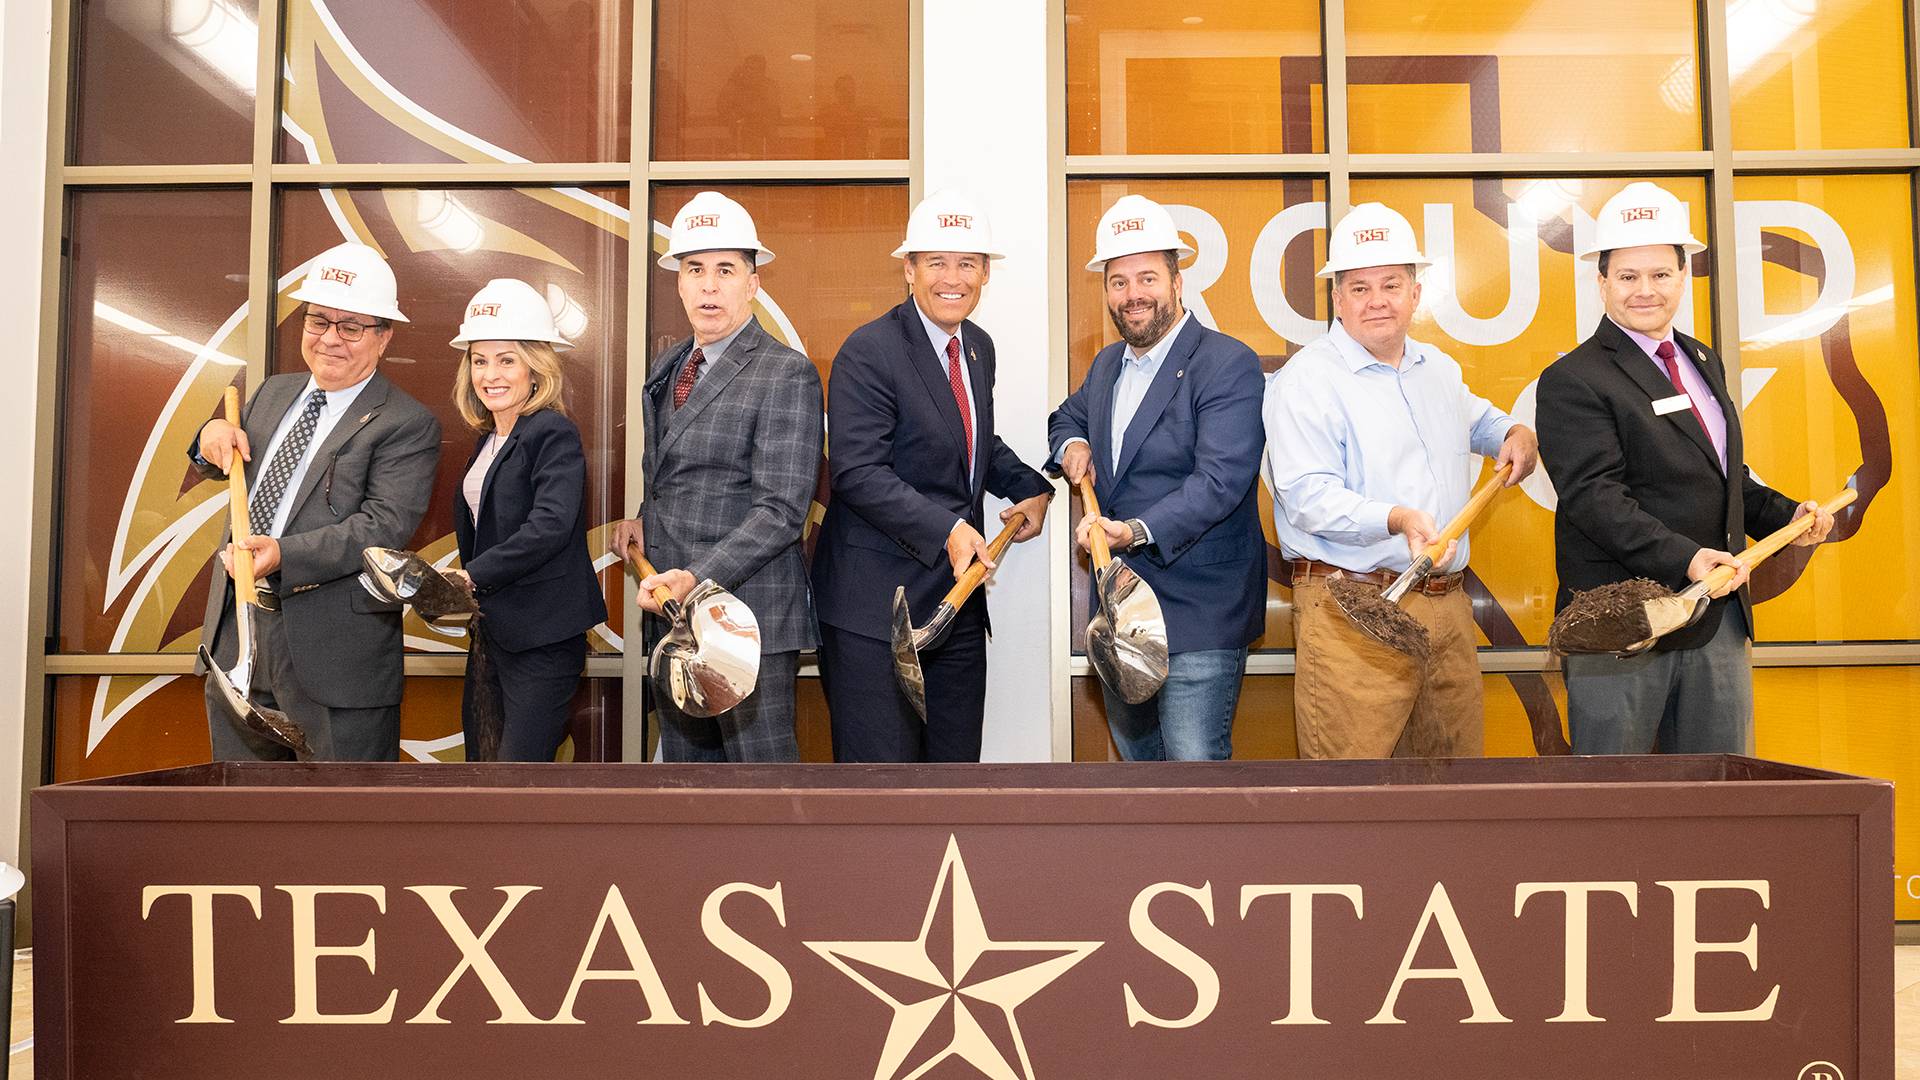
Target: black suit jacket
[
  {"x": 527, "y": 553},
  {"x": 1640, "y": 494},
  {"x": 899, "y": 467}
]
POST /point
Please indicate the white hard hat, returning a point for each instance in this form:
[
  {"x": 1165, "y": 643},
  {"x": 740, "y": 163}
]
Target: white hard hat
[
  {"x": 1132, "y": 225},
  {"x": 1371, "y": 234},
  {"x": 712, "y": 222},
  {"x": 948, "y": 221},
  {"x": 1638, "y": 215},
  {"x": 508, "y": 309},
  {"x": 352, "y": 277}
]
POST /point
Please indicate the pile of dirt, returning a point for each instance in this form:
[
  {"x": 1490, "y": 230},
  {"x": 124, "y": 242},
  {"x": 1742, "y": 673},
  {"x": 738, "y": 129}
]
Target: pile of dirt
[
  {"x": 1372, "y": 613},
  {"x": 1607, "y": 619}
]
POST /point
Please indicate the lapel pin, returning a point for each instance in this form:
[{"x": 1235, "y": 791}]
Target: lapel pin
[
  {"x": 1181, "y": 374},
  {"x": 366, "y": 418}
]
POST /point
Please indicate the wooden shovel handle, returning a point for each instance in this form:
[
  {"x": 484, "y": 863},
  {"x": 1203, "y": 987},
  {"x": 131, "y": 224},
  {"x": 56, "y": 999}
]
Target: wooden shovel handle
[
  {"x": 1719, "y": 576},
  {"x": 245, "y": 588},
  {"x": 977, "y": 573},
  {"x": 1102, "y": 554},
  {"x": 661, "y": 594},
  {"x": 1476, "y": 503}
]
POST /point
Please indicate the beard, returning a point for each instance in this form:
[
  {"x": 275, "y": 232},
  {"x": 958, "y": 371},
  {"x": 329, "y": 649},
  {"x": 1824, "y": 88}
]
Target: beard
[{"x": 1164, "y": 316}]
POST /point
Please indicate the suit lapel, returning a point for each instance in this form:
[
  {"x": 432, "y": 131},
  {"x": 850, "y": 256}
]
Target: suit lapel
[
  {"x": 981, "y": 381},
  {"x": 507, "y": 446},
  {"x": 1646, "y": 374},
  {"x": 263, "y": 419},
  {"x": 1100, "y": 382},
  {"x": 719, "y": 372},
  {"x": 931, "y": 368},
  {"x": 1166, "y": 382},
  {"x": 366, "y": 406}
]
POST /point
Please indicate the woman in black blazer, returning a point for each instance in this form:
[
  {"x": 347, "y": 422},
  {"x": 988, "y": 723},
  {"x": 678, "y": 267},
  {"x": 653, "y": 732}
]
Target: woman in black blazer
[{"x": 521, "y": 524}]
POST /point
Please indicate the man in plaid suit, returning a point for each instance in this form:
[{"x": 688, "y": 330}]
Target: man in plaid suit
[{"x": 734, "y": 424}]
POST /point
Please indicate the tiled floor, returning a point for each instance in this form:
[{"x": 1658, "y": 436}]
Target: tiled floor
[{"x": 1906, "y": 1014}]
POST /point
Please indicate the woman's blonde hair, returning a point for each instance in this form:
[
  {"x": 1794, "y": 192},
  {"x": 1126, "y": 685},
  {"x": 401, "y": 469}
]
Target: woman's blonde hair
[{"x": 540, "y": 359}]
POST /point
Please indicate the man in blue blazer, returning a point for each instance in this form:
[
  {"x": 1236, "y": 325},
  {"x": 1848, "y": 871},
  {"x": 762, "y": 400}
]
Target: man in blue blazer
[
  {"x": 912, "y": 452},
  {"x": 1167, "y": 422}
]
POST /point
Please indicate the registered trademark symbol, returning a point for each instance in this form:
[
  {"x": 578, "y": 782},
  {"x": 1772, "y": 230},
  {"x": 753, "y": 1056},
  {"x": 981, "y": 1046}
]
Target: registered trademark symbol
[{"x": 1821, "y": 1070}]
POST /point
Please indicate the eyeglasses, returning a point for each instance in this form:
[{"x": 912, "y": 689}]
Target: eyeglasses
[{"x": 349, "y": 330}]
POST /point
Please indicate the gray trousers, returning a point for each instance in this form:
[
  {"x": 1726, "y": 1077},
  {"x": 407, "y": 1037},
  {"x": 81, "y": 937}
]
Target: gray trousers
[
  {"x": 1689, "y": 701},
  {"x": 760, "y": 728},
  {"x": 335, "y": 734}
]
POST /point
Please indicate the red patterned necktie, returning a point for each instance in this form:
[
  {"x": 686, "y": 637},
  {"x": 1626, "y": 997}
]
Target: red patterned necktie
[
  {"x": 683, "y": 386},
  {"x": 959, "y": 383},
  {"x": 1665, "y": 352}
]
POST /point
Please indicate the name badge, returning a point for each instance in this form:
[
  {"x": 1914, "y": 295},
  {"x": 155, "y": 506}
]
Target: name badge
[{"x": 1676, "y": 403}]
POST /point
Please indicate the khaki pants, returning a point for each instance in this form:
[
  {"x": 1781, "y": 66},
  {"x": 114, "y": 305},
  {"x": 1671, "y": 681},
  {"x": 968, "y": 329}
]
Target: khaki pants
[{"x": 1356, "y": 698}]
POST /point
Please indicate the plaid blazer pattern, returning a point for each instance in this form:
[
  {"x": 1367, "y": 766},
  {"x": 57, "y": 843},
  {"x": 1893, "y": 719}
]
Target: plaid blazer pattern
[{"x": 729, "y": 478}]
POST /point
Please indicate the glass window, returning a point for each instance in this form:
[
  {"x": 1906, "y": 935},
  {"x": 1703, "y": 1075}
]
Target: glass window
[
  {"x": 164, "y": 83},
  {"x": 791, "y": 81},
  {"x": 457, "y": 80},
  {"x": 1506, "y": 297},
  {"x": 1831, "y": 373},
  {"x": 1433, "y": 76},
  {"x": 569, "y": 243},
  {"x": 1206, "y": 77},
  {"x": 1801, "y": 70},
  {"x": 155, "y": 332}
]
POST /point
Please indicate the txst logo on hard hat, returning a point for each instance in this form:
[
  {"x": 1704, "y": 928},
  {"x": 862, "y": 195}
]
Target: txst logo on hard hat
[
  {"x": 334, "y": 273},
  {"x": 1127, "y": 225},
  {"x": 1640, "y": 213},
  {"x": 482, "y": 309},
  {"x": 702, "y": 221},
  {"x": 954, "y": 221},
  {"x": 1369, "y": 236}
]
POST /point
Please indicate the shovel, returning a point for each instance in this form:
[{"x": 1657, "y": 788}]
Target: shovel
[
  {"x": 1127, "y": 636},
  {"x": 401, "y": 577},
  {"x": 907, "y": 642},
  {"x": 1589, "y": 624},
  {"x": 710, "y": 659},
  {"x": 1380, "y": 615},
  {"x": 232, "y": 683}
]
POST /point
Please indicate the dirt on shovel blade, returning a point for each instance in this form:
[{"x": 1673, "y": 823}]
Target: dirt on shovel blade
[
  {"x": 1606, "y": 619},
  {"x": 1371, "y": 612}
]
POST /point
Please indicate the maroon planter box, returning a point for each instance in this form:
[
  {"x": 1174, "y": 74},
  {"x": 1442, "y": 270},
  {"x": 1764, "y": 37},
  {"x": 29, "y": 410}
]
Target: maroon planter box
[{"x": 1682, "y": 917}]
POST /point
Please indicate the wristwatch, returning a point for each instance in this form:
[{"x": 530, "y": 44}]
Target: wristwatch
[{"x": 1139, "y": 530}]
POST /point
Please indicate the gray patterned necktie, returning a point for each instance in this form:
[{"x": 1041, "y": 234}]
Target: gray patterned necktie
[{"x": 273, "y": 486}]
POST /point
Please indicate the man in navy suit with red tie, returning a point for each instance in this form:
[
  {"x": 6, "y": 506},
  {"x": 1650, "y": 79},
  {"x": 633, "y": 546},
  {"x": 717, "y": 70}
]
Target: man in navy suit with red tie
[
  {"x": 1167, "y": 422},
  {"x": 912, "y": 453}
]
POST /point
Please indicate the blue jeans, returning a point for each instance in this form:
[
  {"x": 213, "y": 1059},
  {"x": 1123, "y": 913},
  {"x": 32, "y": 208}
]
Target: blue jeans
[{"x": 1191, "y": 718}]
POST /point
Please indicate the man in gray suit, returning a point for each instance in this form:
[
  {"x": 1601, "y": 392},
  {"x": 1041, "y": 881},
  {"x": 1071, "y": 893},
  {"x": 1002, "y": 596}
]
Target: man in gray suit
[
  {"x": 734, "y": 423},
  {"x": 349, "y": 461}
]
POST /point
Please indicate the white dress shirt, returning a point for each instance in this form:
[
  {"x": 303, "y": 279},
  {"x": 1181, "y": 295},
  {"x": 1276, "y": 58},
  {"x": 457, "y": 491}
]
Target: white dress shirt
[{"x": 339, "y": 403}]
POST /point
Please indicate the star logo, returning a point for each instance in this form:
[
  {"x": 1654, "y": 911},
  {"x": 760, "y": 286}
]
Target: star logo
[{"x": 953, "y": 989}]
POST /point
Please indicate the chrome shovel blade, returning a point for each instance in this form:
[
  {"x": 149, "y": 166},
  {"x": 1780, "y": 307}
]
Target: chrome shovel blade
[
  {"x": 401, "y": 577},
  {"x": 267, "y": 723},
  {"x": 906, "y": 659},
  {"x": 1127, "y": 637},
  {"x": 710, "y": 660}
]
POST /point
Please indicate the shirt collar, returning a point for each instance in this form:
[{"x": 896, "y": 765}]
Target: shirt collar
[
  {"x": 718, "y": 349},
  {"x": 1159, "y": 350},
  {"x": 1647, "y": 344},
  {"x": 339, "y": 400},
  {"x": 1357, "y": 356},
  {"x": 937, "y": 336}
]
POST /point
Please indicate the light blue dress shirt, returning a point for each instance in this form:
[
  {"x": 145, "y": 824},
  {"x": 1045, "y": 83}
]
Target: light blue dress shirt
[
  {"x": 339, "y": 403},
  {"x": 1137, "y": 373},
  {"x": 939, "y": 339},
  {"x": 1349, "y": 438}
]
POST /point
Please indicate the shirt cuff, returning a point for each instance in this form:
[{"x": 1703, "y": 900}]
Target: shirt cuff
[
  {"x": 1499, "y": 435},
  {"x": 1062, "y": 448},
  {"x": 1372, "y": 519},
  {"x": 957, "y": 522}
]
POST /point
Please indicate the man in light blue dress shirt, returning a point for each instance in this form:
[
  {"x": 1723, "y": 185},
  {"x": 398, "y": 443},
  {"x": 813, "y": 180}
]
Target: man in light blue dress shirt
[
  {"x": 1371, "y": 444},
  {"x": 1167, "y": 424}
]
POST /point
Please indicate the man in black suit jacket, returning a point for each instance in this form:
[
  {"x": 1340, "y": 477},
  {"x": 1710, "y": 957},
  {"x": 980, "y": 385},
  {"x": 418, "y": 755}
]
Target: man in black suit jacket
[
  {"x": 912, "y": 451},
  {"x": 1642, "y": 440}
]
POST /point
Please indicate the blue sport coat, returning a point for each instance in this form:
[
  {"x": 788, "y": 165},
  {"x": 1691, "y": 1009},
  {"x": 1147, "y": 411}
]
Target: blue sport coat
[{"x": 1189, "y": 462}]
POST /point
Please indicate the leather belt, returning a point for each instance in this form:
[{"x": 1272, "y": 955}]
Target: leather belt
[{"x": 1435, "y": 585}]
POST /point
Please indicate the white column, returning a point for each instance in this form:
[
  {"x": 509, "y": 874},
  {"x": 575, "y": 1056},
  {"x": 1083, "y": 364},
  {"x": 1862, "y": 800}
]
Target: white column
[
  {"x": 25, "y": 33},
  {"x": 984, "y": 90}
]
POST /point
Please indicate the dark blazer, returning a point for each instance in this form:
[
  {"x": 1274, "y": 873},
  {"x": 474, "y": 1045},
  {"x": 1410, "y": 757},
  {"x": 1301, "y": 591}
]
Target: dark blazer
[
  {"x": 1188, "y": 465},
  {"x": 527, "y": 553},
  {"x": 898, "y": 459},
  {"x": 367, "y": 485},
  {"x": 730, "y": 477},
  {"x": 1641, "y": 494}
]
